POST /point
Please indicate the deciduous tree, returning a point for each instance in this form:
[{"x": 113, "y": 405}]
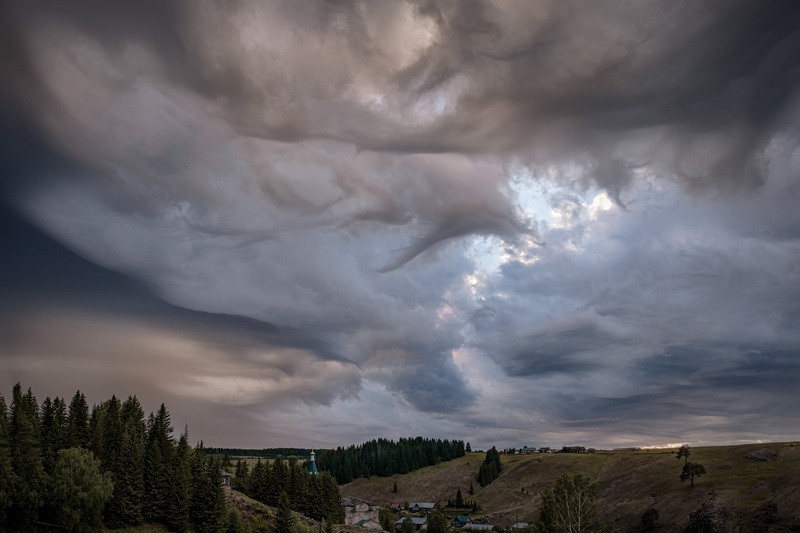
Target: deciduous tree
[
  {"x": 80, "y": 489},
  {"x": 569, "y": 506}
]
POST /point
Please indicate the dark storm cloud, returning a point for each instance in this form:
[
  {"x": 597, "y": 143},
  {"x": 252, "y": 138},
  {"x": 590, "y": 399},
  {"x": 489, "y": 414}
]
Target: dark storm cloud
[{"x": 448, "y": 207}]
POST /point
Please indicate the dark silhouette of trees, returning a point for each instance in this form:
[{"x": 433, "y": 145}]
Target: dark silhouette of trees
[
  {"x": 490, "y": 467},
  {"x": 690, "y": 470},
  {"x": 82, "y": 471}
]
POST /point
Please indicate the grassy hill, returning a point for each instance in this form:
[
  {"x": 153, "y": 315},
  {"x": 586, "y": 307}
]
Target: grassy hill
[{"x": 629, "y": 483}]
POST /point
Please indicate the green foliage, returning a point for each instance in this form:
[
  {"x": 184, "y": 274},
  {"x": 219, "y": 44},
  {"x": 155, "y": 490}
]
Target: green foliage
[
  {"x": 284, "y": 519},
  {"x": 159, "y": 451},
  {"x": 78, "y": 435},
  {"x": 569, "y": 506},
  {"x": 407, "y": 526},
  {"x": 26, "y": 459},
  {"x": 386, "y": 519},
  {"x": 6, "y": 474},
  {"x": 650, "y": 519},
  {"x": 459, "y": 498},
  {"x": 471, "y": 489},
  {"x": 691, "y": 471},
  {"x": 394, "y": 488},
  {"x": 490, "y": 467},
  {"x": 233, "y": 522},
  {"x": 384, "y": 457},
  {"x": 684, "y": 452},
  {"x": 80, "y": 489},
  {"x": 438, "y": 523}
]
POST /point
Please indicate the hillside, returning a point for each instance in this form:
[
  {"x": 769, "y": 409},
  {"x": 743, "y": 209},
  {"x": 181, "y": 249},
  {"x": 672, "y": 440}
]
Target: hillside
[{"x": 629, "y": 483}]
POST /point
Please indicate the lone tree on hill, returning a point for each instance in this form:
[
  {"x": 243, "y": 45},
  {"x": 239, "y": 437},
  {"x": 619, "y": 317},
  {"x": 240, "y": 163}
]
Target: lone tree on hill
[
  {"x": 684, "y": 452},
  {"x": 692, "y": 470},
  {"x": 490, "y": 468}
]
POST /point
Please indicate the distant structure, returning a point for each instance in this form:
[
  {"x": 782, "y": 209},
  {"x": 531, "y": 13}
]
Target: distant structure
[
  {"x": 362, "y": 513},
  {"x": 312, "y": 465}
]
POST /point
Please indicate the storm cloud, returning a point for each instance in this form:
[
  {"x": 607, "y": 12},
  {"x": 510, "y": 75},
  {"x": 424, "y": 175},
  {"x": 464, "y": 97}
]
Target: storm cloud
[{"x": 496, "y": 221}]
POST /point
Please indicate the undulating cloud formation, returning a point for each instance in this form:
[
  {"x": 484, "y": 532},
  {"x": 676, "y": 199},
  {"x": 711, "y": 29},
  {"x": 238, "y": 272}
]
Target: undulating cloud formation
[{"x": 313, "y": 223}]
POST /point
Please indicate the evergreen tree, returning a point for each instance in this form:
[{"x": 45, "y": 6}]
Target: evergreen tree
[
  {"x": 7, "y": 481},
  {"x": 208, "y": 499},
  {"x": 332, "y": 499},
  {"x": 490, "y": 467},
  {"x": 125, "y": 507},
  {"x": 407, "y": 526},
  {"x": 78, "y": 422},
  {"x": 284, "y": 519},
  {"x": 394, "y": 488},
  {"x": 459, "y": 498},
  {"x": 159, "y": 452},
  {"x": 79, "y": 489},
  {"x": 469, "y": 448},
  {"x": 241, "y": 479},
  {"x": 180, "y": 486},
  {"x": 386, "y": 519},
  {"x": 26, "y": 459},
  {"x": 471, "y": 489}
]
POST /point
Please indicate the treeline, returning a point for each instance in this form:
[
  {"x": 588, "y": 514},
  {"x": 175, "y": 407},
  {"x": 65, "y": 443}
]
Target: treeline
[
  {"x": 315, "y": 495},
  {"x": 383, "y": 457},
  {"x": 64, "y": 465},
  {"x": 490, "y": 467},
  {"x": 266, "y": 453}
]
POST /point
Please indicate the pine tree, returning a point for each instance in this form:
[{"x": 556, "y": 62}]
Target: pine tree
[
  {"x": 209, "y": 501},
  {"x": 471, "y": 489},
  {"x": 26, "y": 459},
  {"x": 459, "y": 498},
  {"x": 332, "y": 499},
  {"x": 241, "y": 479}
]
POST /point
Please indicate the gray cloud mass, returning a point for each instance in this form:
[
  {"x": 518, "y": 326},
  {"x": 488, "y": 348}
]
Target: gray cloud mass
[{"x": 507, "y": 222}]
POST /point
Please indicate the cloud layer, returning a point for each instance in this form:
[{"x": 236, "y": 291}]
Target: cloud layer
[{"x": 492, "y": 221}]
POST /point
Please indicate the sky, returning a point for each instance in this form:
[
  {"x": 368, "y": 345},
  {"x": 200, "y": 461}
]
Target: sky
[{"x": 315, "y": 223}]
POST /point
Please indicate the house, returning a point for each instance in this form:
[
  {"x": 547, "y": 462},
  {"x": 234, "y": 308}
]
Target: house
[
  {"x": 526, "y": 450},
  {"x": 226, "y": 479},
  {"x": 357, "y": 510},
  {"x": 521, "y": 525},
  {"x": 421, "y": 506},
  {"x": 573, "y": 449},
  {"x": 416, "y": 521},
  {"x": 545, "y": 449},
  {"x": 396, "y": 507},
  {"x": 460, "y": 520},
  {"x": 369, "y": 524}
]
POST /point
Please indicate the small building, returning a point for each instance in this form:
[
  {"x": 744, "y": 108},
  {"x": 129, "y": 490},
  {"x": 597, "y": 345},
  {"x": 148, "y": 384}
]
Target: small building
[
  {"x": 396, "y": 507},
  {"x": 421, "y": 506},
  {"x": 521, "y": 525},
  {"x": 460, "y": 520},
  {"x": 525, "y": 450},
  {"x": 416, "y": 521},
  {"x": 545, "y": 449},
  {"x": 357, "y": 510},
  {"x": 573, "y": 449},
  {"x": 226, "y": 479}
]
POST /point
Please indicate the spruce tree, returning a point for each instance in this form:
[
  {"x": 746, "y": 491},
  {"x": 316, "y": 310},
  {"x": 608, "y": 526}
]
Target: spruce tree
[
  {"x": 6, "y": 474},
  {"x": 78, "y": 422},
  {"x": 159, "y": 452},
  {"x": 241, "y": 480},
  {"x": 26, "y": 459},
  {"x": 284, "y": 519},
  {"x": 332, "y": 499},
  {"x": 180, "y": 486},
  {"x": 125, "y": 507},
  {"x": 211, "y": 514}
]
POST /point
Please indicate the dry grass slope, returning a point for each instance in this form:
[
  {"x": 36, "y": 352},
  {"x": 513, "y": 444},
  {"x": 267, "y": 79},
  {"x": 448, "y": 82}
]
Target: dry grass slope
[{"x": 629, "y": 483}]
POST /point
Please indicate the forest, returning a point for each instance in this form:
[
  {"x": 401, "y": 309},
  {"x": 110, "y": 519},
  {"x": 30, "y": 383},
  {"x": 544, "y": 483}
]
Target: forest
[
  {"x": 76, "y": 468},
  {"x": 384, "y": 457}
]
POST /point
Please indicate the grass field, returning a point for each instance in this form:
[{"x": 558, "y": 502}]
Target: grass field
[{"x": 629, "y": 483}]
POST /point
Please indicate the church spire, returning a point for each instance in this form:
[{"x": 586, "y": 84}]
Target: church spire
[{"x": 312, "y": 465}]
